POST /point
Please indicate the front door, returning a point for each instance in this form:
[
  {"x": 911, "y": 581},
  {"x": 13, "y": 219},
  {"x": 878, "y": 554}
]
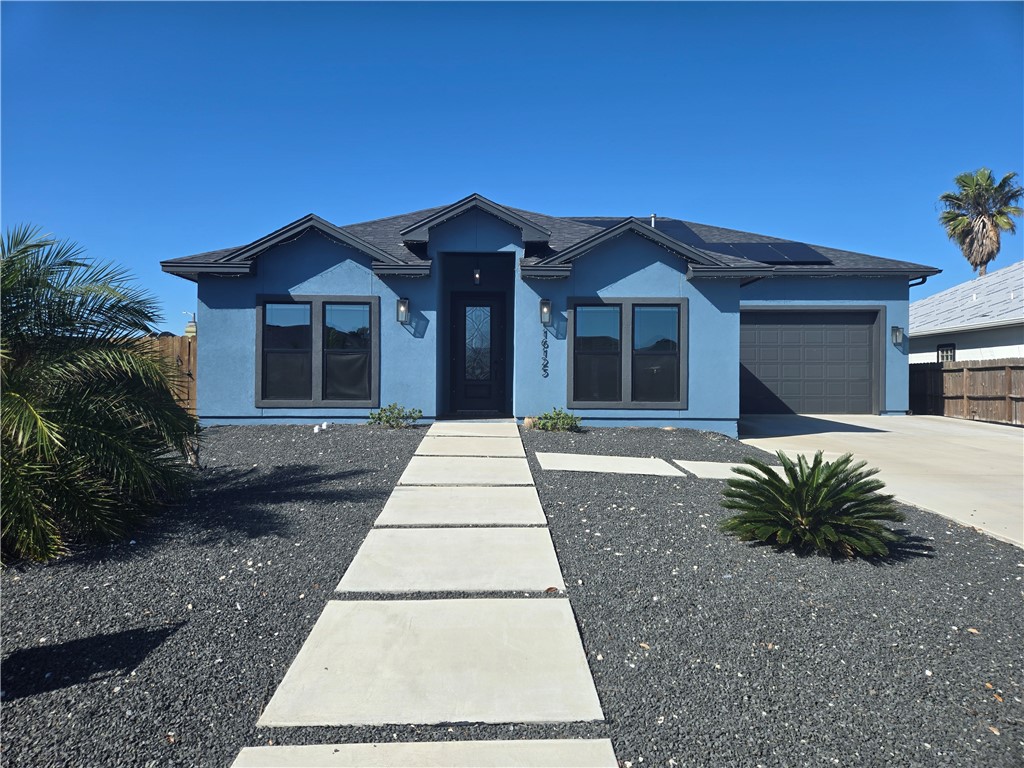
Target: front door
[{"x": 478, "y": 353}]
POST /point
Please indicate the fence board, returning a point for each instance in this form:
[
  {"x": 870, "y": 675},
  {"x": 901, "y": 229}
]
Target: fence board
[
  {"x": 983, "y": 390},
  {"x": 180, "y": 352}
]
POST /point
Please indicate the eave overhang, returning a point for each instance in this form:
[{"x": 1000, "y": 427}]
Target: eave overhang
[
  {"x": 420, "y": 231},
  {"x": 242, "y": 261}
]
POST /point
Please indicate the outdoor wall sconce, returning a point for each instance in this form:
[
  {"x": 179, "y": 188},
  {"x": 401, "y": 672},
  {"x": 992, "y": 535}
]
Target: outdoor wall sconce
[
  {"x": 546, "y": 318},
  {"x": 897, "y": 335},
  {"x": 476, "y": 276},
  {"x": 403, "y": 312}
]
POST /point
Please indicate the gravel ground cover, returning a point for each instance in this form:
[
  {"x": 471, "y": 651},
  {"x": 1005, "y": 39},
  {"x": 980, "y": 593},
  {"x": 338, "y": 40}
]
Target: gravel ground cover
[
  {"x": 710, "y": 651},
  {"x": 163, "y": 651},
  {"x": 705, "y": 650}
]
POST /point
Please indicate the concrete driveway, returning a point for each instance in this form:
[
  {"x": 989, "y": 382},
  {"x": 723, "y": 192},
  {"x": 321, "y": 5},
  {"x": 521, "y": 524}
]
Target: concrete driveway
[{"x": 968, "y": 471}]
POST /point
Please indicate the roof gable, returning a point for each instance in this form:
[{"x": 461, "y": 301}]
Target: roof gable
[
  {"x": 698, "y": 261},
  {"x": 419, "y": 232}
]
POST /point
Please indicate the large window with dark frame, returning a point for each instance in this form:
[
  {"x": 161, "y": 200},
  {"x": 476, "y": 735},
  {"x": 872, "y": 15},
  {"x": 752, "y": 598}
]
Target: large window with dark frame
[
  {"x": 318, "y": 351},
  {"x": 597, "y": 353},
  {"x": 628, "y": 353}
]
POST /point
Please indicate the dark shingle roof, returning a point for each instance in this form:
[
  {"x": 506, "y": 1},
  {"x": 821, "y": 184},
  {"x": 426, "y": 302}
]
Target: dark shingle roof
[
  {"x": 995, "y": 299},
  {"x": 566, "y": 231}
]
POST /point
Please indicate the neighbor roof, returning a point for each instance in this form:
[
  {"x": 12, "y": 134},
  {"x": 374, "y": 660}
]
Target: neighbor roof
[
  {"x": 996, "y": 299},
  {"x": 395, "y": 245}
]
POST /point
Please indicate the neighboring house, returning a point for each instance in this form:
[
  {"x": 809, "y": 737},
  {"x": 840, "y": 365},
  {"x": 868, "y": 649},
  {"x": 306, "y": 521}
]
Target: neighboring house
[
  {"x": 476, "y": 309},
  {"x": 982, "y": 319}
]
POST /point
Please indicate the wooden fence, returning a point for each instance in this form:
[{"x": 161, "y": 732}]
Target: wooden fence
[
  {"x": 983, "y": 390},
  {"x": 181, "y": 352}
]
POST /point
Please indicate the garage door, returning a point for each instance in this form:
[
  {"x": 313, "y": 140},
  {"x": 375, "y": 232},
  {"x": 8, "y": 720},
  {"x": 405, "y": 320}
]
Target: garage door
[{"x": 807, "y": 362}]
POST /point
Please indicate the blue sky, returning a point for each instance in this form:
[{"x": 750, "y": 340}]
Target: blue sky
[{"x": 149, "y": 131}]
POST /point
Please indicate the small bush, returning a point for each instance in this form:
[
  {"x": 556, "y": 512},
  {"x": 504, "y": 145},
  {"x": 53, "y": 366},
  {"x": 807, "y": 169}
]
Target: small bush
[
  {"x": 557, "y": 420},
  {"x": 395, "y": 416},
  {"x": 831, "y": 507}
]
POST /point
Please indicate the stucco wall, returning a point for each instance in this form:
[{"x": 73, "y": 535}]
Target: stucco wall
[
  {"x": 991, "y": 344},
  {"x": 890, "y": 293},
  {"x": 634, "y": 267},
  {"x": 312, "y": 264}
]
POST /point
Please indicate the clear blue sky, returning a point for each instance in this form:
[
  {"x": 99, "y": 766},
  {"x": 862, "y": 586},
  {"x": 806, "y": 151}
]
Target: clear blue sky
[{"x": 155, "y": 130}]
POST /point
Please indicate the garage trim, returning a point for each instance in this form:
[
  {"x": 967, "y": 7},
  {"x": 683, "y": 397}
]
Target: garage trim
[{"x": 878, "y": 337}]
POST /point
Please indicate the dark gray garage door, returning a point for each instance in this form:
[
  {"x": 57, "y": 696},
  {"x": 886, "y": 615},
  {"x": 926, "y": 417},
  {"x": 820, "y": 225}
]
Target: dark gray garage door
[{"x": 807, "y": 362}]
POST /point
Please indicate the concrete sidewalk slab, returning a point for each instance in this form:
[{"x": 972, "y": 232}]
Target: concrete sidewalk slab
[
  {"x": 541, "y": 753},
  {"x": 438, "y": 661},
  {"x": 454, "y": 560},
  {"x": 444, "y": 470},
  {"x": 715, "y": 470},
  {"x": 967, "y": 471},
  {"x": 462, "y": 505},
  {"x": 470, "y": 446},
  {"x": 473, "y": 429},
  {"x": 620, "y": 465}
]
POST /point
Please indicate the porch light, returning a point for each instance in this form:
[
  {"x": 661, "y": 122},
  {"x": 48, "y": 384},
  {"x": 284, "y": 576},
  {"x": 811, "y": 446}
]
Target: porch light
[
  {"x": 546, "y": 318},
  {"x": 476, "y": 276},
  {"x": 897, "y": 335},
  {"x": 403, "y": 313}
]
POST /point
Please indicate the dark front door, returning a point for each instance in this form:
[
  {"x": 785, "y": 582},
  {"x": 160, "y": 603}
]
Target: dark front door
[{"x": 478, "y": 353}]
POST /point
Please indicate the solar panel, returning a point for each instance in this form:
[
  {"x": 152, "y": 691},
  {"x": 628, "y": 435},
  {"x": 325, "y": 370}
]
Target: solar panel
[
  {"x": 764, "y": 253},
  {"x": 800, "y": 253}
]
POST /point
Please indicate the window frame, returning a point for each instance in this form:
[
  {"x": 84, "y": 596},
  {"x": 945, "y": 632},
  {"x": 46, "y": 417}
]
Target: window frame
[
  {"x": 626, "y": 305},
  {"x": 317, "y": 352},
  {"x": 940, "y": 348}
]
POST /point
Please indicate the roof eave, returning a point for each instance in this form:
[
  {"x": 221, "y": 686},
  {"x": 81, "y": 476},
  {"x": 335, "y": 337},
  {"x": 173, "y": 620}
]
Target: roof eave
[
  {"x": 401, "y": 270},
  {"x": 966, "y": 328},
  {"x": 638, "y": 227}
]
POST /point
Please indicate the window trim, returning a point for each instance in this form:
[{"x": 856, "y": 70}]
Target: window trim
[
  {"x": 626, "y": 303},
  {"x": 940, "y": 348},
  {"x": 317, "y": 304}
]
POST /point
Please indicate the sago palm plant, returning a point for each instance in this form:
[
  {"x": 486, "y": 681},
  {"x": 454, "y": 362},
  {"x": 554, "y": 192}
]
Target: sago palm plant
[
  {"x": 832, "y": 507},
  {"x": 91, "y": 434}
]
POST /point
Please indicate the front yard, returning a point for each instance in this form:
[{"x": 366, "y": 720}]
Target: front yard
[{"x": 705, "y": 650}]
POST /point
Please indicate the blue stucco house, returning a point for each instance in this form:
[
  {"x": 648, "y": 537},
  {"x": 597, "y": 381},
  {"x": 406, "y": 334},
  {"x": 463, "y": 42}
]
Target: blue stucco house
[{"x": 476, "y": 309}]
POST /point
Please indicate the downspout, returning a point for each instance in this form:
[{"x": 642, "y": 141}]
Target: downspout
[{"x": 913, "y": 284}]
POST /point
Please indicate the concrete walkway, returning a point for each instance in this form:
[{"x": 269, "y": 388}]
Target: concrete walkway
[
  {"x": 967, "y": 471},
  {"x": 465, "y": 518}
]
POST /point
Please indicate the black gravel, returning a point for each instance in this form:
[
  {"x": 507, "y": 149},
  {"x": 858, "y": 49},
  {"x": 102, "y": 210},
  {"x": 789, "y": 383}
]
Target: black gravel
[
  {"x": 164, "y": 652},
  {"x": 710, "y": 651}
]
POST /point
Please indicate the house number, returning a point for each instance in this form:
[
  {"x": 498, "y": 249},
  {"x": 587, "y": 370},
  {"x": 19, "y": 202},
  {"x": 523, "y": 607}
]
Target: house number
[{"x": 544, "y": 354}]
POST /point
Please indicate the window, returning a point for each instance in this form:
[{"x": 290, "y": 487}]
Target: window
[
  {"x": 945, "y": 352},
  {"x": 318, "y": 351},
  {"x": 627, "y": 353},
  {"x": 597, "y": 357}
]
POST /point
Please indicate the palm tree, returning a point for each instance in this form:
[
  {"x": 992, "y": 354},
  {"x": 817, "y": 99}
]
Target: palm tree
[
  {"x": 91, "y": 435},
  {"x": 977, "y": 213}
]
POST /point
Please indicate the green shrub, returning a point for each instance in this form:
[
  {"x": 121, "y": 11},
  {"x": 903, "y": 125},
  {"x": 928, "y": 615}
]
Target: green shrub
[
  {"x": 92, "y": 437},
  {"x": 832, "y": 507},
  {"x": 395, "y": 416},
  {"x": 557, "y": 420}
]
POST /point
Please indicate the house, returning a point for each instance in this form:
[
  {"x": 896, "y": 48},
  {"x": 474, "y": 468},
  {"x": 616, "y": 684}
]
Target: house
[
  {"x": 474, "y": 309},
  {"x": 982, "y": 319}
]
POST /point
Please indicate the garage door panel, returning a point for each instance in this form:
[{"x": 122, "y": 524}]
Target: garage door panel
[{"x": 807, "y": 362}]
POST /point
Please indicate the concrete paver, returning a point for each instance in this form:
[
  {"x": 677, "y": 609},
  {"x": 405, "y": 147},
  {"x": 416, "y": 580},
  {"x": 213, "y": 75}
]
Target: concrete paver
[
  {"x": 470, "y": 446},
  {"x": 622, "y": 465},
  {"x": 449, "y": 470},
  {"x": 462, "y": 505},
  {"x": 542, "y": 753},
  {"x": 438, "y": 661},
  {"x": 715, "y": 470},
  {"x": 473, "y": 429},
  {"x": 967, "y": 471},
  {"x": 454, "y": 560}
]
